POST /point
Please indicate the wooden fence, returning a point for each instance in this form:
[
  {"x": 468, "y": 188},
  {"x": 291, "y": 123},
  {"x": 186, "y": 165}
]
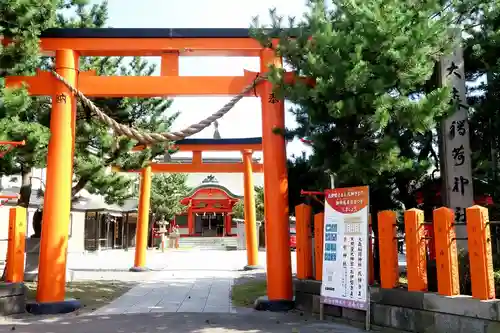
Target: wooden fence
[{"x": 420, "y": 238}]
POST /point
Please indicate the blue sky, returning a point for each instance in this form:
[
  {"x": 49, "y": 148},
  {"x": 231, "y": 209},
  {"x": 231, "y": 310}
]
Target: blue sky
[{"x": 245, "y": 119}]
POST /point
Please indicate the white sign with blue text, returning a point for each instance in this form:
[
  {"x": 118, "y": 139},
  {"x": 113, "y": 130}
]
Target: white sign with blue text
[{"x": 345, "y": 255}]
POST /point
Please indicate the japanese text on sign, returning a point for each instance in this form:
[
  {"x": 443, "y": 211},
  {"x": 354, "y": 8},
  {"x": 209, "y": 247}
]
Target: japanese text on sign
[
  {"x": 345, "y": 262},
  {"x": 455, "y": 137}
]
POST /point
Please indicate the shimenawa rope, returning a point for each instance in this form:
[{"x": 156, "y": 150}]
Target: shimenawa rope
[{"x": 149, "y": 138}]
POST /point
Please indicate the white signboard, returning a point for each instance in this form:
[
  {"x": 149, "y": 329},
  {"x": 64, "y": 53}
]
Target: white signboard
[{"x": 345, "y": 253}]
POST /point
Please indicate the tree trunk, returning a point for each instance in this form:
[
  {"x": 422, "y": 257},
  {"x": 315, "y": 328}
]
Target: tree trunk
[{"x": 25, "y": 192}]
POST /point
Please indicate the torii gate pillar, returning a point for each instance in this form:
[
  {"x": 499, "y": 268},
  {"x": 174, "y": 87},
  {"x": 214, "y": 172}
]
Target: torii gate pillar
[
  {"x": 279, "y": 266},
  {"x": 250, "y": 218},
  {"x": 57, "y": 198}
]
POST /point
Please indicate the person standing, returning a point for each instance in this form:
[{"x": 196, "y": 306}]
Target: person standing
[
  {"x": 175, "y": 234},
  {"x": 163, "y": 231}
]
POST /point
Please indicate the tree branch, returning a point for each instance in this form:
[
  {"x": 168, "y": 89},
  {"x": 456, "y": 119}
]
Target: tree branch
[{"x": 82, "y": 182}]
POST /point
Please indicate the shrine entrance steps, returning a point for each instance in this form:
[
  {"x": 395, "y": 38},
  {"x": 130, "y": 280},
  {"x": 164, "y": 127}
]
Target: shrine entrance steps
[{"x": 209, "y": 243}]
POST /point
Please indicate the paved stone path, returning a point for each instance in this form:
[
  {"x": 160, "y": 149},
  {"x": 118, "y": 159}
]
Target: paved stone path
[
  {"x": 192, "y": 281},
  {"x": 255, "y": 322},
  {"x": 195, "y": 292},
  {"x": 189, "y": 292}
]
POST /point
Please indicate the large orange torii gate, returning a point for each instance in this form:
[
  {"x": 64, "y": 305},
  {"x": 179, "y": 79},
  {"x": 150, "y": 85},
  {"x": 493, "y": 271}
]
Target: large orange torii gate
[
  {"x": 67, "y": 45},
  {"x": 247, "y": 146}
]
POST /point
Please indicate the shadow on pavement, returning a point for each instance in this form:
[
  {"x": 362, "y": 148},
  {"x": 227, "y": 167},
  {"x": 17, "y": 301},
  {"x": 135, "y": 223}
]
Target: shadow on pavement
[{"x": 255, "y": 322}]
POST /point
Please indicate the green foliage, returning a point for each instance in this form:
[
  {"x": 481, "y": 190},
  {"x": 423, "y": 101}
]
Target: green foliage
[
  {"x": 18, "y": 122},
  {"x": 166, "y": 192},
  {"x": 481, "y": 59},
  {"x": 21, "y": 24},
  {"x": 465, "y": 273},
  {"x": 239, "y": 208},
  {"x": 96, "y": 148},
  {"x": 481, "y": 52},
  {"x": 371, "y": 113},
  {"x": 22, "y": 21}
]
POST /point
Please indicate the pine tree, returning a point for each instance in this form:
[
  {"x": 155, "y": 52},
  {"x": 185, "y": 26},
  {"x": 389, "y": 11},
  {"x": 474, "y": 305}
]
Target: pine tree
[
  {"x": 481, "y": 60},
  {"x": 28, "y": 118},
  {"x": 167, "y": 190},
  {"x": 371, "y": 114},
  {"x": 97, "y": 148},
  {"x": 22, "y": 22}
]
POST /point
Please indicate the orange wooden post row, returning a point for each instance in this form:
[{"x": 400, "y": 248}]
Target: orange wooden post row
[
  {"x": 319, "y": 221},
  {"x": 16, "y": 245},
  {"x": 416, "y": 250},
  {"x": 304, "y": 243},
  {"x": 388, "y": 249},
  {"x": 479, "y": 241},
  {"x": 481, "y": 262}
]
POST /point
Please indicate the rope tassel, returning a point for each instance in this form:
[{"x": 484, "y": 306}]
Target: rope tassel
[{"x": 149, "y": 138}]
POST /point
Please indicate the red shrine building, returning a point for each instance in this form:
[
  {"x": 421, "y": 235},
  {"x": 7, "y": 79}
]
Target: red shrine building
[{"x": 208, "y": 211}]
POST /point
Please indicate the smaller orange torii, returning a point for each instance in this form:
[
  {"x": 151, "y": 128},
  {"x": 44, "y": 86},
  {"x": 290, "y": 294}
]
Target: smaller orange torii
[{"x": 248, "y": 166}]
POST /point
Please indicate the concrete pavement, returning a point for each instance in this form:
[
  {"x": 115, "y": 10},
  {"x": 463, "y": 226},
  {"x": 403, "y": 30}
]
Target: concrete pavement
[
  {"x": 188, "y": 292},
  {"x": 255, "y": 322},
  {"x": 192, "y": 281}
]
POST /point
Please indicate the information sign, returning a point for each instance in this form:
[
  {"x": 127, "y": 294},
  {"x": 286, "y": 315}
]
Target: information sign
[{"x": 345, "y": 252}]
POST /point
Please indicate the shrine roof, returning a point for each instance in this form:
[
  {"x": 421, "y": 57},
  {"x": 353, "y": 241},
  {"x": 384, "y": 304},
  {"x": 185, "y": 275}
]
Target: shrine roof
[
  {"x": 146, "y": 33},
  {"x": 215, "y": 186}
]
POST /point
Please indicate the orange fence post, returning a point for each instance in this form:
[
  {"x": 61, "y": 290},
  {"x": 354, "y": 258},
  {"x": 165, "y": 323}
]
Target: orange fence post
[
  {"x": 481, "y": 261},
  {"x": 304, "y": 244},
  {"x": 371, "y": 271},
  {"x": 319, "y": 225},
  {"x": 446, "y": 252},
  {"x": 388, "y": 249},
  {"x": 16, "y": 245},
  {"x": 416, "y": 250}
]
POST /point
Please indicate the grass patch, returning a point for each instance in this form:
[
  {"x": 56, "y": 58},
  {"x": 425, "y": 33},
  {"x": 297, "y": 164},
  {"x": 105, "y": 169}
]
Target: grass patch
[
  {"x": 403, "y": 280},
  {"x": 91, "y": 294},
  {"x": 245, "y": 294}
]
